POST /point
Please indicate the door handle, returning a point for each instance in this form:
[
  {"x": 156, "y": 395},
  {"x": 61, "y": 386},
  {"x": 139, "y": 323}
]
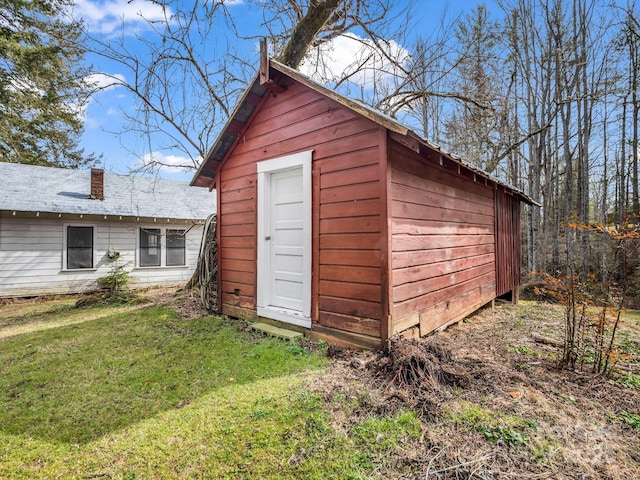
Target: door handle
[{"x": 268, "y": 237}]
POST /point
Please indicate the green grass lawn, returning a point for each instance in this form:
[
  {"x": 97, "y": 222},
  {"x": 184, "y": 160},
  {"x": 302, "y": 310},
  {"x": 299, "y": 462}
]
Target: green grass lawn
[{"x": 113, "y": 392}]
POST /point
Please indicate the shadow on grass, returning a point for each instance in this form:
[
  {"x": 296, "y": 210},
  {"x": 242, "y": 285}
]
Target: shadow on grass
[
  {"x": 76, "y": 383},
  {"x": 20, "y": 313}
]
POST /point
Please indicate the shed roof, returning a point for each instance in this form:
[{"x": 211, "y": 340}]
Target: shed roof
[
  {"x": 256, "y": 91},
  {"x": 31, "y": 188}
]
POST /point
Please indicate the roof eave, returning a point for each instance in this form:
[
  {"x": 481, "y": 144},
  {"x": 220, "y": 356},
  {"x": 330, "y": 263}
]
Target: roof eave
[
  {"x": 207, "y": 171},
  {"x": 357, "y": 107},
  {"x": 392, "y": 125}
]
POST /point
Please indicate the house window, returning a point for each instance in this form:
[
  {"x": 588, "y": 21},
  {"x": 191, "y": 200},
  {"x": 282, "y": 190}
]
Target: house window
[
  {"x": 162, "y": 247},
  {"x": 79, "y": 247},
  {"x": 175, "y": 247},
  {"x": 150, "y": 247}
]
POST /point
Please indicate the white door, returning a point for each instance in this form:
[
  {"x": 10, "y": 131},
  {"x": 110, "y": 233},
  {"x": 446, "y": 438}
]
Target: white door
[
  {"x": 286, "y": 235},
  {"x": 284, "y": 230}
]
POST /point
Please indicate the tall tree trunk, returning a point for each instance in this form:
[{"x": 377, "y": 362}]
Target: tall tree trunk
[
  {"x": 622, "y": 171},
  {"x": 584, "y": 93},
  {"x": 634, "y": 139}
]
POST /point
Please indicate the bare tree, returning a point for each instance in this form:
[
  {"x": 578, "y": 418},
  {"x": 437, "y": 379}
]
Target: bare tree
[
  {"x": 186, "y": 76},
  {"x": 471, "y": 129},
  {"x": 430, "y": 68},
  {"x": 556, "y": 57},
  {"x": 182, "y": 82},
  {"x": 629, "y": 41}
]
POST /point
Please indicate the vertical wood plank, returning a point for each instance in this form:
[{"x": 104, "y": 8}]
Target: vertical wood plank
[
  {"x": 386, "y": 327},
  {"x": 264, "y": 61},
  {"x": 508, "y": 256},
  {"x": 216, "y": 185},
  {"x": 498, "y": 236},
  {"x": 315, "y": 244}
]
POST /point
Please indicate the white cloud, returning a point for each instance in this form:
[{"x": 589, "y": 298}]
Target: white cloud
[
  {"x": 107, "y": 16},
  {"x": 358, "y": 59},
  {"x": 167, "y": 163},
  {"x": 98, "y": 120},
  {"x": 105, "y": 81},
  {"x": 91, "y": 123},
  {"x": 102, "y": 82}
]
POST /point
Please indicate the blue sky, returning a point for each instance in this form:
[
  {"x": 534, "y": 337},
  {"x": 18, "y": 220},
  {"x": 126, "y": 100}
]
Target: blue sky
[{"x": 120, "y": 19}]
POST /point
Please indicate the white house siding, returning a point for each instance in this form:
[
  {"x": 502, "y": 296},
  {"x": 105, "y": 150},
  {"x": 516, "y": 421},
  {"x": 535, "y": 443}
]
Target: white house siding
[{"x": 31, "y": 255}]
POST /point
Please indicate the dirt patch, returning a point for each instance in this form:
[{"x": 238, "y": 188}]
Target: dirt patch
[
  {"x": 493, "y": 401},
  {"x": 186, "y": 303}
]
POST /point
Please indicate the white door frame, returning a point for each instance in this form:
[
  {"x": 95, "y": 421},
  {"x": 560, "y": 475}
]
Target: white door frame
[{"x": 265, "y": 169}]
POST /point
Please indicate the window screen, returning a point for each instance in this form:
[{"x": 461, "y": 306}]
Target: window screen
[
  {"x": 150, "y": 247},
  {"x": 79, "y": 247},
  {"x": 175, "y": 247}
]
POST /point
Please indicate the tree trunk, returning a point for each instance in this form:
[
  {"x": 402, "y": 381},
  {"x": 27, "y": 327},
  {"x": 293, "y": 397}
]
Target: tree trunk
[{"x": 305, "y": 31}]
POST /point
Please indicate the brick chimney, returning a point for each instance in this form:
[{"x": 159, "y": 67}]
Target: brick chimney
[{"x": 97, "y": 184}]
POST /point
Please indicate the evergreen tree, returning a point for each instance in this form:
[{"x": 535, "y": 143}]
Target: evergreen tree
[
  {"x": 473, "y": 130},
  {"x": 42, "y": 83}
]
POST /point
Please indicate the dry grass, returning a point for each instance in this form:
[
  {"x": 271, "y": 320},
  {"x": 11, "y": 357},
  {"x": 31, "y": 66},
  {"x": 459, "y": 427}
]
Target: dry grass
[
  {"x": 72, "y": 318},
  {"x": 517, "y": 416}
]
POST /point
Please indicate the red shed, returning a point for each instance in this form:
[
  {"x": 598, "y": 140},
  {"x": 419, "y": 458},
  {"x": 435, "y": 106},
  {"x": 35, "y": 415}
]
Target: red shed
[{"x": 336, "y": 218}]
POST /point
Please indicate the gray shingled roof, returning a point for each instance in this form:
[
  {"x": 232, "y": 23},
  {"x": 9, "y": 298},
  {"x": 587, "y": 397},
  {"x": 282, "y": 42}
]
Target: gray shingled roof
[{"x": 29, "y": 188}]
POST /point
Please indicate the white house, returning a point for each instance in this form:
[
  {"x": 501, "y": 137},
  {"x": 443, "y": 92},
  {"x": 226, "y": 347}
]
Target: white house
[{"x": 61, "y": 229}]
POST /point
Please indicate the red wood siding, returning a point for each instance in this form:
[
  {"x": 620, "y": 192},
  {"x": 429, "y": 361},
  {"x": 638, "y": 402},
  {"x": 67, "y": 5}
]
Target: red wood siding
[
  {"x": 443, "y": 243},
  {"x": 349, "y": 257},
  {"x": 346, "y": 208},
  {"x": 507, "y": 242}
]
